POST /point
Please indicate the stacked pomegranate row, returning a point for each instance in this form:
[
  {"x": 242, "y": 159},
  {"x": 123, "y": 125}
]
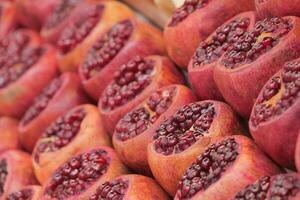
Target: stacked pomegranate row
[{"x": 87, "y": 91}]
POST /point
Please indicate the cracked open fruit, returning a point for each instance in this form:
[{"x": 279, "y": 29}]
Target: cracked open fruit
[
  {"x": 22, "y": 58},
  {"x": 274, "y": 122},
  {"x": 120, "y": 44},
  {"x": 202, "y": 64},
  {"x": 9, "y": 135},
  {"x": 282, "y": 186},
  {"x": 179, "y": 139},
  {"x": 8, "y": 17},
  {"x": 79, "y": 177},
  {"x": 133, "y": 82},
  {"x": 83, "y": 31},
  {"x": 130, "y": 187},
  {"x": 62, "y": 94},
  {"x": 279, "y": 8},
  {"x": 30, "y": 192},
  {"x": 78, "y": 129},
  {"x": 15, "y": 172},
  {"x": 254, "y": 58},
  {"x": 223, "y": 169},
  {"x": 194, "y": 21},
  {"x": 135, "y": 130}
]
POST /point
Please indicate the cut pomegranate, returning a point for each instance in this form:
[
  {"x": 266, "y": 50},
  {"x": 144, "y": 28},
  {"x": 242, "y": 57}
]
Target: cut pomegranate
[
  {"x": 202, "y": 64},
  {"x": 83, "y": 32},
  {"x": 182, "y": 137},
  {"x": 223, "y": 169},
  {"x": 194, "y": 21},
  {"x": 124, "y": 41},
  {"x": 9, "y": 135},
  {"x": 15, "y": 172},
  {"x": 23, "y": 57},
  {"x": 62, "y": 94},
  {"x": 282, "y": 186},
  {"x": 78, "y": 129},
  {"x": 275, "y": 112},
  {"x": 128, "y": 187},
  {"x": 254, "y": 58},
  {"x": 80, "y": 176},
  {"x": 8, "y": 18},
  {"x": 135, "y": 130},
  {"x": 31, "y": 192},
  {"x": 133, "y": 83}
]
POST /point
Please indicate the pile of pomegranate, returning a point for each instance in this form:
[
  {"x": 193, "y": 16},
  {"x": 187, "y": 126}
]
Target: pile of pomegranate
[{"x": 98, "y": 104}]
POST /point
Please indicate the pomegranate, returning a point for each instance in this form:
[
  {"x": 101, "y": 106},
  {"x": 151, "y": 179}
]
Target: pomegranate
[
  {"x": 279, "y": 8},
  {"x": 135, "y": 130},
  {"x": 132, "y": 83},
  {"x": 223, "y": 169},
  {"x": 194, "y": 21},
  {"x": 9, "y": 135},
  {"x": 202, "y": 64},
  {"x": 8, "y": 19},
  {"x": 78, "y": 129},
  {"x": 15, "y": 172},
  {"x": 182, "y": 137},
  {"x": 83, "y": 32},
  {"x": 22, "y": 58},
  {"x": 129, "y": 187},
  {"x": 62, "y": 94},
  {"x": 274, "y": 122},
  {"x": 31, "y": 192},
  {"x": 297, "y": 153},
  {"x": 254, "y": 58},
  {"x": 282, "y": 186},
  {"x": 79, "y": 177},
  {"x": 124, "y": 41}
]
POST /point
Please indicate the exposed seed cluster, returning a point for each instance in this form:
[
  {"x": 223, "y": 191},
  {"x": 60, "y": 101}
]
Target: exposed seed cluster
[
  {"x": 129, "y": 81},
  {"x": 284, "y": 187},
  {"x": 188, "y": 7},
  {"x": 3, "y": 175},
  {"x": 25, "y": 194},
  {"x": 208, "y": 168},
  {"x": 114, "y": 190},
  {"x": 265, "y": 35},
  {"x": 41, "y": 101},
  {"x": 107, "y": 48},
  {"x": 211, "y": 50},
  {"x": 75, "y": 176},
  {"x": 184, "y": 128},
  {"x": 140, "y": 119}
]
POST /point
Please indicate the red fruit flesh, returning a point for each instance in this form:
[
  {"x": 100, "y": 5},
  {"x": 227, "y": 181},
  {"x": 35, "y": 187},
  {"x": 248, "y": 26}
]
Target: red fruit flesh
[
  {"x": 8, "y": 21},
  {"x": 297, "y": 153},
  {"x": 182, "y": 137},
  {"x": 31, "y": 192},
  {"x": 83, "y": 32},
  {"x": 79, "y": 177},
  {"x": 282, "y": 186},
  {"x": 124, "y": 41},
  {"x": 223, "y": 169},
  {"x": 132, "y": 84},
  {"x": 128, "y": 187},
  {"x": 9, "y": 135},
  {"x": 255, "y": 57},
  {"x": 78, "y": 129},
  {"x": 23, "y": 57},
  {"x": 202, "y": 64},
  {"x": 274, "y": 119},
  {"x": 15, "y": 172},
  {"x": 62, "y": 94},
  {"x": 279, "y": 8},
  {"x": 135, "y": 130},
  {"x": 194, "y": 21}
]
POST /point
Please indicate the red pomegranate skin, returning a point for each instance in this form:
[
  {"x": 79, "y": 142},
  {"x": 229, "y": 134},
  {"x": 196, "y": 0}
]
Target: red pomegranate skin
[
  {"x": 240, "y": 86},
  {"x": 279, "y": 8},
  {"x": 145, "y": 40},
  {"x": 297, "y": 153},
  {"x": 9, "y": 135},
  {"x": 8, "y": 19},
  {"x": 183, "y": 38},
  {"x": 30, "y": 192},
  {"x": 69, "y": 95},
  {"x": 127, "y": 149},
  {"x": 16, "y": 97},
  {"x": 251, "y": 164},
  {"x": 201, "y": 76}
]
